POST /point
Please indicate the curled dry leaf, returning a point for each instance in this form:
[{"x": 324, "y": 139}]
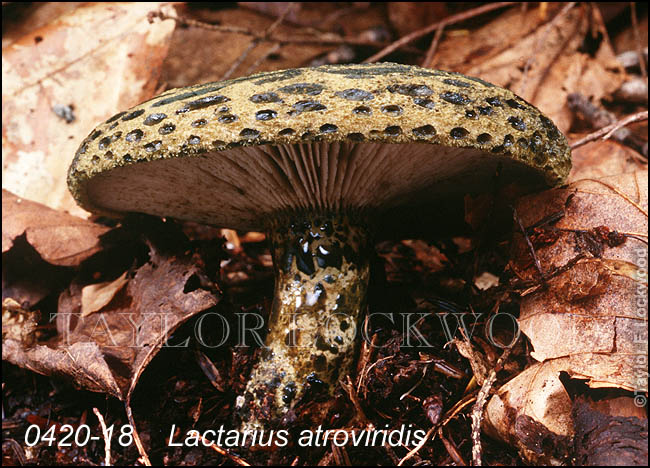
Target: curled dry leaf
[
  {"x": 587, "y": 321},
  {"x": 108, "y": 350},
  {"x": 95, "y": 59},
  {"x": 95, "y": 296},
  {"x": 538, "y": 56},
  {"x": 601, "y": 159},
  {"x": 59, "y": 238}
]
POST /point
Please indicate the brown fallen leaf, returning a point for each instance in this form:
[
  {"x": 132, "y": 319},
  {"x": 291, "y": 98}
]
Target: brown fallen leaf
[
  {"x": 586, "y": 320},
  {"x": 93, "y": 61},
  {"x": 602, "y": 159},
  {"x": 538, "y": 56},
  {"x": 108, "y": 350},
  {"x": 95, "y": 296},
  {"x": 59, "y": 238}
]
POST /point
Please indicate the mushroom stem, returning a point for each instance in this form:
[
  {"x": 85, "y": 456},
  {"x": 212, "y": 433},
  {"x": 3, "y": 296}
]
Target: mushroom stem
[{"x": 321, "y": 277}]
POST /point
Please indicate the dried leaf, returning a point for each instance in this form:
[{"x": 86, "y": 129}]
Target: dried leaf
[
  {"x": 538, "y": 57},
  {"x": 95, "y": 296},
  {"x": 589, "y": 314},
  {"x": 95, "y": 60},
  {"x": 533, "y": 413},
  {"x": 108, "y": 350},
  {"x": 602, "y": 159},
  {"x": 60, "y": 239}
]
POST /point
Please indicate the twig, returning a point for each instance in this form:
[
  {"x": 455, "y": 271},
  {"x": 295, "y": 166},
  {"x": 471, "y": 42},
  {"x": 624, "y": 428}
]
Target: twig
[
  {"x": 225, "y": 453},
  {"x": 429, "y": 29},
  {"x": 417, "y": 448},
  {"x": 428, "y": 60},
  {"x": 540, "y": 42},
  {"x": 136, "y": 437},
  {"x": 455, "y": 410},
  {"x": 538, "y": 265},
  {"x": 320, "y": 38},
  {"x": 265, "y": 35},
  {"x": 606, "y": 132},
  {"x": 637, "y": 41},
  {"x": 481, "y": 399},
  {"x": 107, "y": 439},
  {"x": 267, "y": 54}
]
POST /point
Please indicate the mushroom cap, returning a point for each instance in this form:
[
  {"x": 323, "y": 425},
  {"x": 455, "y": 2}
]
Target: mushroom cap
[{"x": 373, "y": 138}]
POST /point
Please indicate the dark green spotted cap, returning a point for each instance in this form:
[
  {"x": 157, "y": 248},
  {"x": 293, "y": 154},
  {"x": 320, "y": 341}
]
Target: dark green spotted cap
[{"x": 371, "y": 138}]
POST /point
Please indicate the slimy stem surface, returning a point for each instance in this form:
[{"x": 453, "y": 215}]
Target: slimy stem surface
[{"x": 321, "y": 277}]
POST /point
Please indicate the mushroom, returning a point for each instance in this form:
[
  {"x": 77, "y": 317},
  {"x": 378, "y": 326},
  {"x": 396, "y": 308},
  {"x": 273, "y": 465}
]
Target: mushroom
[{"x": 323, "y": 159}]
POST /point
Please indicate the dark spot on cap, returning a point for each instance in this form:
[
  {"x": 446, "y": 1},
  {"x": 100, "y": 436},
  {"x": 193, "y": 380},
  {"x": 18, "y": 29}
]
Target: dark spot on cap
[
  {"x": 483, "y": 138},
  {"x": 522, "y": 143},
  {"x": 551, "y": 130},
  {"x": 249, "y": 133},
  {"x": 393, "y": 130},
  {"x": 355, "y": 94},
  {"x": 426, "y": 103},
  {"x": 167, "y": 129},
  {"x": 308, "y": 106},
  {"x": 94, "y": 135},
  {"x": 154, "y": 119},
  {"x": 355, "y": 136},
  {"x": 127, "y": 157},
  {"x": 104, "y": 142},
  {"x": 115, "y": 117},
  {"x": 199, "y": 123},
  {"x": 460, "y": 84},
  {"x": 508, "y": 140},
  {"x": 392, "y": 109},
  {"x": 485, "y": 110},
  {"x": 514, "y": 104},
  {"x": 95, "y": 159},
  {"x": 266, "y": 114},
  {"x": 418, "y": 90},
  {"x": 153, "y": 146},
  {"x": 286, "y": 132},
  {"x": 265, "y": 98},
  {"x": 133, "y": 115},
  {"x": 328, "y": 128},
  {"x": 494, "y": 101},
  {"x": 134, "y": 136},
  {"x": 471, "y": 114},
  {"x": 310, "y": 89},
  {"x": 362, "y": 110},
  {"x": 203, "y": 103},
  {"x": 194, "y": 140},
  {"x": 424, "y": 131},
  {"x": 455, "y": 98},
  {"x": 458, "y": 133},
  {"x": 517, "y": 123},
  {"x": 227, "y": 118}
]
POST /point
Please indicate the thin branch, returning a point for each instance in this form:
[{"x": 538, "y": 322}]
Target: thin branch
[
  {"x": 429, "y": 29},
  {"x": 107, "y": 439},
  {"x": 428, "y": 60},
  {"x": 531, "y": 248},
  {"x": 540, "y": 43},
  {"x": 225, "y": 453},
  {"x": 606, "y": 132},
  {"x": 136, "y": 437},
  {"x": 637, "y": 41},
  {"x": 254, "y": 43},
  {"x": 318, "y": 38},
  {"x": 481, "y": 399}
]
